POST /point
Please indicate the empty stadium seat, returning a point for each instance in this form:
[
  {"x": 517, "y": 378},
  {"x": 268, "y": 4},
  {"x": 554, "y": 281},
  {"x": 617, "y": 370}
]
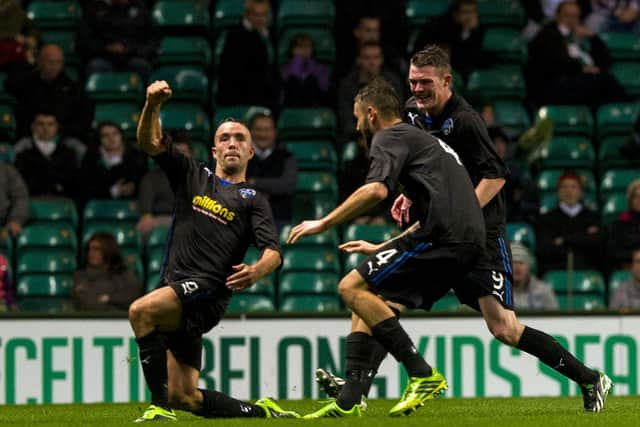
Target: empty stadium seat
[
  {"x": 512, "y": 116},
  {"x": 44, "y": 293},
  {"x": 186, "y": 117},
  {"x": 583, "y": 282},
  {"x": 108, "y": 210},
  {"x": 155, "y": 257},
  {"x": 249, "y": 303},
  {"x": 568, "y": 152},
  {"x": 189, "y": 84},
  {"x": 50, "y": 237},
  {"x": 348, "y": 154},
  {"x": 522, "y": 232},
  {"x": 310, "y": 13},
  {"x": 64, "y": 14},
  {"x": 124, "y": 114},
  {"x": 609, "y": 155},
  {"x": 449, "y": 302},
  {"x": 7, "y": 123},
  {"x": 612, "y": 206},
  {"x": 419, "y": 11},
  {"x": 370, "y": 233},
  {"x": 184, "y": 51},
  {"x": 327, "y": 239},
  {"x": 500, "y": 82},
  {"x": 314, "y": 155},
  {"x": 238, "y": 112},
  {"x": 568, "y": 119},
  {"x": 307, "y": 123},
  {"x": 323, "y": 44},
  {"x": 158, "y": 237},
  {"x": 227, "y": 13},
  {"x": 310, "y": 259},
  {"x": 506, "y": 44},
  {"x": 46, "y": 263},
  {"x": 617, "y": 277},
  {"x": 317, "y": 182},
  {"x": 352, "y": 260},
  {"x": 310, "y": 304},
  {"x": 617, "y": 180},
  {"x": 115, "y": 86},
  {"x": 581, "y": 302},
  {"x": 308, "y": 284},
  {"x": 59, "y": 211},
  {"x": 616, "y": 119},
  {"x": 181, "y": 16},
  {"x": 623, "y": 46},
  {"x": 501, "y": 13},
  {"x": 628, "y": 74},
  {"x": 312, "y": 205}
]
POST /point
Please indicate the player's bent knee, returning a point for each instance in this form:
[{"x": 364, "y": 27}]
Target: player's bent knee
[
  {"x": 504, "y": 332},
  {"x": 350, "y": 285}
]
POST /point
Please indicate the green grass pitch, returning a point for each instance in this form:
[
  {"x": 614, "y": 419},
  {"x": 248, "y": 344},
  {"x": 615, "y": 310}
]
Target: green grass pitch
[{"x": 494, "y": 412}]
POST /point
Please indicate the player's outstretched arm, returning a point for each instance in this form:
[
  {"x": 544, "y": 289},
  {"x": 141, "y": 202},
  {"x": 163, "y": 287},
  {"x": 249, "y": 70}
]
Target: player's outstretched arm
[
  {"x": 367, "y": 248},
  {"x": 246, "y": 275},
  {"x": 487, "y": 189},
  {"x": 149, "y": 131}
]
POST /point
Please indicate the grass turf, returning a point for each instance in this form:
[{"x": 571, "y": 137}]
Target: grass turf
[{"x": 520, "y": 412}]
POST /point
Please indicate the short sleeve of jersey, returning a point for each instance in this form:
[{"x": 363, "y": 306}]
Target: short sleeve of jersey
[
  {"x": 387, "y": 159},
  {"x": 175, "y": 165},
  {"x": 483, "y": 153},
  {"x": 262, "y": 224}
]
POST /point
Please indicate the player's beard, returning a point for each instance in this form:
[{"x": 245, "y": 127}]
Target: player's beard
[{"x": 367, "y": 133}]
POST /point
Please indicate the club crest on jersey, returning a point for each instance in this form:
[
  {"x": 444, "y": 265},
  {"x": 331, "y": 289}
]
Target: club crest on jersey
[
  {"x": 447, "y": 126},
  {"x": 246, "y": 193}
]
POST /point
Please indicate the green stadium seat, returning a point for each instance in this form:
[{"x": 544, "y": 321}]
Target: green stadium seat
[
  {"x": 252, "y": 256},
  {"x": 584, "y": 282},
  {"x": 351, "y": 261},
  {"x": 501, "y": 13},
  {"x": 314, "y": 155},
  {"x": 501, "y": 82},
  {"x": 581, "y": 302},
  {"x": 158, "y": 237},
  {"x": 307, "y": 123},
  {"x": 238, "y": 112},
  {"x": 50, "y": 305},
  {"x": 133, "y": 261},
  {"x": 124, "y": 114},
  {"x": 616, "y": 119},
  {"x": 522, "y": 232},
  {"x": 189, "y": 84},
  {"x": 58, "y": 211},
  {"x": 323, "y": 42},
  {"x": 419, "y": 11},
  {"x": 310, "y": 304},
  {"x": 152, "y": 282},
  {"x": 348, "y": 154},
  {"x": 46, "y": 14},
  {"x": 370, "y": 233},
  {"x": 50, "y": 237},
  {"x": 568, "y": 119},
  {"x": 310, "y": 259},
  {"x": 547, "y": 180},
  {"x": 328, "y": 239},
  {"x": 609, "y": 155},
  {"x": 264, "y": 286},
  {"x": 227, "y": 13},
  {"x": 7, "y": 123},
  {"x": 549, "y": 201},
  {"x": 248, "y": 303},
  {"x": 46, "y": 263},
  {"x": 310, "y": 13},
  {"x": 317, "y": 182},
  {"x": 7, "y": 153},
  {"x": 312, "y": 205},
  {"x": 29, "y": 286},
  {"x": 617, "y": 180},
  {"x": 612, "y": 206},
  {"x": 628, "y": 74},
  {"x": 567, "y": 152},
  {"x": 124, "y": 233},
  {"x": 194, "y": 51},
  {"x": 623, "y": 46},
  {"x": 186, "y": 117},
  {"x": 182, "y": 16},
  {"x": 154, "y": 260},
  {"x": 108, "y": 210},
  {"x": 308, "y": 284},
  {"x": 617, "y": 277},
  {"x": 116, "y": 86},
  {"x": 449, "y": 302},
  {"x": 512, "y": 116},
  {"x": 201, "y": 151},
  {"x": 506, "y": 44}
]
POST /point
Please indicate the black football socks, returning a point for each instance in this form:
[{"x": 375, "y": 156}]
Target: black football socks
[
  {"x": 153, "y": 359},
  {"x": 358, "y": 375},
  {"x": 219, "y": 405}
]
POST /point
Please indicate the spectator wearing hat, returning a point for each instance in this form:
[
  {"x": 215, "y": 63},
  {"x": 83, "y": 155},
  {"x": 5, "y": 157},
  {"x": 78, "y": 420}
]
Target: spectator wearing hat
[
  {"x": 529, "y": 292},
  {"x": 627, "y": 294},
  {"x": 570, "y": 229}
]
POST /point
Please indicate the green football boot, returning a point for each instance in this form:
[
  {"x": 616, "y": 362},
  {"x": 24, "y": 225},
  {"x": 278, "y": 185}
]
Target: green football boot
[
  {"x": 332, "y": 410},
  {"x": 157, "y": 413},
  {"x": 418, "y": 391},
  {"x": 594, "y": 395},
  {"x": 273, "y": 410}
]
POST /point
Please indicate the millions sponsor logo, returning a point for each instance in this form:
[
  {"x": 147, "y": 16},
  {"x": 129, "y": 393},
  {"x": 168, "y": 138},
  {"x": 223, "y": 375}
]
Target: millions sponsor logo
[{"x": 212, "y": 208}]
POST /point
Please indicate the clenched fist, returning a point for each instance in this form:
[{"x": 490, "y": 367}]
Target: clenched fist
[{"x": 158, "y": 92}]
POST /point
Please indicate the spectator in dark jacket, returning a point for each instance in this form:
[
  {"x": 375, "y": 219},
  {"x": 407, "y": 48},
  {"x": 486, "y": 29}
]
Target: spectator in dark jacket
[
  {"x": 305, "y": 82},
  {"x": 569, "y": 228},
  {"x": 117, "y": 35},
  {"x": 111, "y": 170},
  {"x": 14, "y": 200},
  {"x": 625, "y": 231},
  {"x": 272, "y": 170},
  {"x": 47, "y": 87},
  {"x": 568, "y": 63},
  {"x": 105, "y": 284}
]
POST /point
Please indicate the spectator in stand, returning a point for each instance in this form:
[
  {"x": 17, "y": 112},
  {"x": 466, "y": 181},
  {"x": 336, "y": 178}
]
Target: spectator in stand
[
  {"x": 111, "y": 170},
  {"x": 568, "y": 63},
  {"x": 459, "y": 32},
  {"x": 246, "y": 75},
  {"x": 7, "y": 293},
  {"x": 14, "y": 200},
  {"x": 529, "y": 292},
  {"x": 105, "y": 284},
  {"x": 117, "y": 35},
  {"x": 272, "y": 170},
  {"x": 48, "y": 87},
  {"x": 614, "y": 15},
  {"x": 625, "y": 231},
  {"x": 155, "y": 198},
  {"x": 48, "y": 166},
  {"x": 369, "y": 64},
  {"x": 305, "y": 82},
  {"x": 18, "y": 38},
  {"x": 571, "y": 228},
  {"x": 627, "y": 295}
]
